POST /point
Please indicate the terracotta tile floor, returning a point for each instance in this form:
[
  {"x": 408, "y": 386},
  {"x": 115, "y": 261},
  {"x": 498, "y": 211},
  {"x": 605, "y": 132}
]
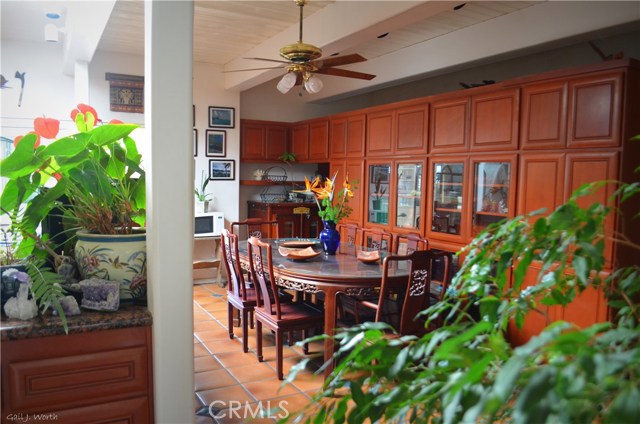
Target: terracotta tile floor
[{"x": 228, "y": 377}]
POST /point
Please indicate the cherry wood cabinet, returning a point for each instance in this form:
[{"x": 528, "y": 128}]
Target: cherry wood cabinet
[
  {"x": 263, "y": 140},
  {"x": 594, "y": 111},
  {"x": 319, "y": 141},
  {"x": 449, "y": 127},
  {"x": 400, "y": 130},
  {"x": 540, "y": 182},
  {"x": 294, "y": 219},
  {"x": 544, "y": 116},
  {"x": 494, "y": 120},
  {"x": 89, "y": 377},
  {"x": 300, "y": 142},
  {"x": 448, "y": 205},
  {"x": 346, "y": 136}
]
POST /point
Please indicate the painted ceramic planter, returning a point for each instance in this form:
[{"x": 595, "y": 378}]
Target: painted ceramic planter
[{"x": 121, "y": 258}]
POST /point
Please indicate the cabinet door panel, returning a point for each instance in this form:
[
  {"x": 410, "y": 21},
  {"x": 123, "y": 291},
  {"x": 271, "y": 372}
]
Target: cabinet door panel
[
  {"x": 594, "y": 111},
  {"x": 319, "y": 141},
  {"x": 411, "y": 130},
  {"x": 253, "y": 137},
  {"x": 338, "y": 138},
  {"x": 300, "y": 142},
  {"x": 583, "y": 168},
  {"x": 276, "y": 141},
  {"x": 449, "y": 126},
  {"x": 540, "y": 182},
  {"x": 355, "y": 169},
  {"x": 355, "y": 136},
  {"x": 544, "y": 116},
  {"x": 380, "y": 129},
  {"x": 448, "y": 205},
  {"x": 494, "y": 121}
]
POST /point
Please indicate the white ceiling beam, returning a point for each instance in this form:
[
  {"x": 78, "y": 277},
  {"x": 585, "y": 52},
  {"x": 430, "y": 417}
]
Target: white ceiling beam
[{"x": 85, "y": 23}]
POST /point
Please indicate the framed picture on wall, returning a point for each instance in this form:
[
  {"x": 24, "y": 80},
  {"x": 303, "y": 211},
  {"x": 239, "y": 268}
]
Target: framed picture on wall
[
  {"x": 222, "y": 169},
  {"x": 216, "y": 143},
  {"x": 195, "y": 142},
  {"x": 223, "y": 117}
]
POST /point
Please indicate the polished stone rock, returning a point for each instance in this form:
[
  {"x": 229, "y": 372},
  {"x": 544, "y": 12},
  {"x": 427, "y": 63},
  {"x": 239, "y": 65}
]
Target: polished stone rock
[{"x": 100, "y": 295}]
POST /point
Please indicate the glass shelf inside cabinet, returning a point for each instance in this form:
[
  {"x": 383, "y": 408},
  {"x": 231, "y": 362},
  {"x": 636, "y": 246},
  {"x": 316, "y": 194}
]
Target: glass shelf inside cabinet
[
  {"x": 447, "y": 197},
  {"x": 378, "y": 209},
  {"x": 491, "y": 193},
  {"x": 408, "y": 193}
]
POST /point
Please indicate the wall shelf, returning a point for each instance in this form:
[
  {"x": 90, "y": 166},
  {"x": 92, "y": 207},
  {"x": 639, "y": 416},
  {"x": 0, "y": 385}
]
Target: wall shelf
[{"x": 269, "y": 183}]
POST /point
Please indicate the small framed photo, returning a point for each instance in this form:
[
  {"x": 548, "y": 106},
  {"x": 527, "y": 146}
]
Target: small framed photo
[
  {"x": 222, "y": 169},
  {"x": 195, "y": 142},
  {"x": 223, "y": 117},
  {"x": 216, "y": 143}
]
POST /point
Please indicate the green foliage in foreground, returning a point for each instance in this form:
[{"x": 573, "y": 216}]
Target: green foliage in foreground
[{"x": 466, "y": 371}]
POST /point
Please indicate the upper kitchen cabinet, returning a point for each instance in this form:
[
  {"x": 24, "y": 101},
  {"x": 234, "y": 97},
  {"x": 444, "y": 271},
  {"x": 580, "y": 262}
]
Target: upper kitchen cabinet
[
  {"x": 449, "y": 127},
  {"x": 262, "y": 141},
  {"x": 346, "y": 136},
  {"x": 494, "y": 120},
  {"x": 397, "y": 131},
  {"x": 310, "y": 141},
  {"x": 544, "y": 116},
  {"x": 319, "y": 141},
  {"x": 594, "y": 111}
]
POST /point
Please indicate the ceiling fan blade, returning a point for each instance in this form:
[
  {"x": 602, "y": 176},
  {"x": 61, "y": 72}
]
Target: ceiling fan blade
[
  {"x": 344, "y": 73},
  {"x": 338, "y": 60},
  {"x": 267, "y": 60},
  {"x": 251, "y": 69}
]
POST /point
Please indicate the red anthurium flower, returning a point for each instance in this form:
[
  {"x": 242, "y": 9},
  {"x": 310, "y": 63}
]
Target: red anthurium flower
[
  {"x": 116, "y": 121},
  {"x": 82, "y": 108},
  {"x": 46, "y": 127},
  {"x": 18, "y": 138}
]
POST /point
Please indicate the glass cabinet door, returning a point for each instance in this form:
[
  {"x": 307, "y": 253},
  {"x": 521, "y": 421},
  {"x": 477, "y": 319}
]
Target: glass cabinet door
[
  {"x": 490, "y": 193},
  {"x": 447, "y": 197},
  {"x": 378, "y": 209},
  {"x": 408, "y": 192}
]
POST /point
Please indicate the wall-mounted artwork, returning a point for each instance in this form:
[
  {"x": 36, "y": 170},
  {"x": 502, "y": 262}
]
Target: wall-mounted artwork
[
  {"x": 222, "y": 169},
  {"x": 195, "y": 142},
  {"x": 223, "y": 117},
  {"x": 216, "y": 143},
  {"x": 126, "y": 92}
]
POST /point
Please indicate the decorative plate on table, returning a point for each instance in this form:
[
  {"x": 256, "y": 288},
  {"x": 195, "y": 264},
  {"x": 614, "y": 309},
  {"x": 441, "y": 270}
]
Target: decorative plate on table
[
  {"x": 298, "y": 254},
  {"x": 370, "y": 257},
  {"x": 298, "y": 243}
]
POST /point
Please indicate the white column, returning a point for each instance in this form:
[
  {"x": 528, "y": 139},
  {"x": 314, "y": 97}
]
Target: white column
[
  {"x": 168, "y": 124},
  {"x": 81, "y": 82}
]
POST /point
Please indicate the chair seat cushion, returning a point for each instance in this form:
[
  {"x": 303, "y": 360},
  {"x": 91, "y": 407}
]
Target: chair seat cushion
[{"x": 293, "y": 314}]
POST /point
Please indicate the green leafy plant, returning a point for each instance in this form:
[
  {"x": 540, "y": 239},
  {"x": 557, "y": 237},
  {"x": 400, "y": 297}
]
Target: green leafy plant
[
  {"x": 466, "y": 371},
  {"x": 98, "y": 169},
  {"x": 287, "y": 157},
  {"x": 200, "y": 192}
]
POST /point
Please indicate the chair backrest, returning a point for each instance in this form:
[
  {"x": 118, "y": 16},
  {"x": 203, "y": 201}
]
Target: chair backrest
[
  {"x": 263, "y": 276},
  {"x": 230, "y": 255},
  {"x": 254, "y": 227},
  {"x": 419, "y": 281},
  {"x": 408, "y": 243},
  {"x": 377, "y": 239},
  {"x": 348, "y": 233}
]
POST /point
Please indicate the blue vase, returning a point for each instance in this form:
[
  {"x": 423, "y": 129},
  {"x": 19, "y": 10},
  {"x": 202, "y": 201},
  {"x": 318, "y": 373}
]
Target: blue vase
[{"x": 330, "y": 238}]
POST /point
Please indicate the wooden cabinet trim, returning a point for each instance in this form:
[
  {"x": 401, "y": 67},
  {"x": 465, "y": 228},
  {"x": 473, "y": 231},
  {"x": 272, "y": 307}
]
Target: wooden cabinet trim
[
  {"x": 449, "y": 125},
  {"x": 494, "y": 120},
  {"x": 544, "y": 116}
]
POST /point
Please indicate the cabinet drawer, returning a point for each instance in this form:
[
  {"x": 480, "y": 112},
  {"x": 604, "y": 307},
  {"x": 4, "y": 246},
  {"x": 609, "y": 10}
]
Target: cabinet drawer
[{"x": 77, "y": 380}]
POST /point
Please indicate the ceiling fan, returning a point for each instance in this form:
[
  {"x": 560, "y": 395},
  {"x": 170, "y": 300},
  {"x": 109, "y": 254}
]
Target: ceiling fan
[{"x": 304, "y": 60}]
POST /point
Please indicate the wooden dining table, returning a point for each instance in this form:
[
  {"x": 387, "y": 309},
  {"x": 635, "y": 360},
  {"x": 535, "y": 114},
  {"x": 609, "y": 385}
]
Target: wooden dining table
[{"x": 329, "y": 274}]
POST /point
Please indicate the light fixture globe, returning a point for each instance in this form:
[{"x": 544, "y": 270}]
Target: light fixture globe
[
  {"x": 313, "y": 84},
  {"x": 287, "y": 82}
]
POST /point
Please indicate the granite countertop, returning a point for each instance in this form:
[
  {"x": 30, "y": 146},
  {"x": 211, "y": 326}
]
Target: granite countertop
[{"x": 48, "y": 325}]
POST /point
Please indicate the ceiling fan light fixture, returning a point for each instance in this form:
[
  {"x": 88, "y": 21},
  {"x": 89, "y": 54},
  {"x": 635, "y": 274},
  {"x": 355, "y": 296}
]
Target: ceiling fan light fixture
[
  {"x": 313, "y": 84},
  {"x": 287, "y": 82}
]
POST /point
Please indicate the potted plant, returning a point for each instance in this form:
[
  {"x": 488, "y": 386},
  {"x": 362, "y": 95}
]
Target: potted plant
[
  {"x": 377, "y": 195},
  {"x": 98, "y": 171},
  {"x": 202, "y": 197}
]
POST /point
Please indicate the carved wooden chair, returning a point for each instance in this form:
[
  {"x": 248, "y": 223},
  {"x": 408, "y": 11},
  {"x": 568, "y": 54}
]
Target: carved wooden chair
[
  {"x": 380, "y": 240},
  {"x": 254, "y": 227},
  {"x": 410, "y": 242},
  {"x": 279, "y": 317}
]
